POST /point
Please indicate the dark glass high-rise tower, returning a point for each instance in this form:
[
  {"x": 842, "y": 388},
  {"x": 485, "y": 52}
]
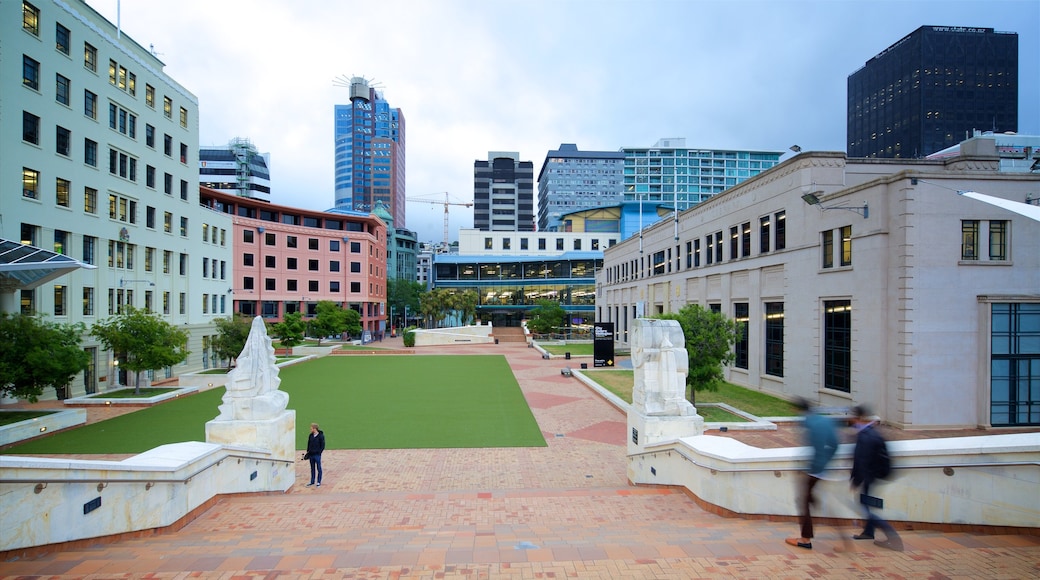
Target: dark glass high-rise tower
[
  {"x": 370, "y": 153},
  {"x": 931, "y": 89}
]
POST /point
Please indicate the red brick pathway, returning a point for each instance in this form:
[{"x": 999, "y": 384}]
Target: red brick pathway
[{"x": 563, "y": 511}]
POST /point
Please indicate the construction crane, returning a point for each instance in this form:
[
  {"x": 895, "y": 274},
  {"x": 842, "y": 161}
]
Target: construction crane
[{"x": 445, "y": 203}]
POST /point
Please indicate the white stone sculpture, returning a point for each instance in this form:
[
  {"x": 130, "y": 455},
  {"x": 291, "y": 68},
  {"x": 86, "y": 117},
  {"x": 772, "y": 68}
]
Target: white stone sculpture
[
  {"x": 252, "y": 387},
  {"x": 661, "y": 365}
]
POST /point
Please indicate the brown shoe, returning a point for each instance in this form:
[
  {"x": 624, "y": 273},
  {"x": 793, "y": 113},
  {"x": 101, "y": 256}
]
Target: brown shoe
[{"x": 799, "y": 542}]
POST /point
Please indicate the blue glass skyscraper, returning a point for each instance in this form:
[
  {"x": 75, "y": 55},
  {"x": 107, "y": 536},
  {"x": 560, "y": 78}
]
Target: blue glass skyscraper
[{"x": 370, "y": 153}]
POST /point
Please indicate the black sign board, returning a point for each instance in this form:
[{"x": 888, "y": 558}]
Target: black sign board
[{"x": 603, "y": 344}]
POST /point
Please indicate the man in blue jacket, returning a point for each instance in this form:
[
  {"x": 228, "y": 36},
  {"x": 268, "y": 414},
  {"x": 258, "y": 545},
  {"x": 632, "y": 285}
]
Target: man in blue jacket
[
  {"x": 315, "y": 446},
  {"x": 822, "y": 436}
]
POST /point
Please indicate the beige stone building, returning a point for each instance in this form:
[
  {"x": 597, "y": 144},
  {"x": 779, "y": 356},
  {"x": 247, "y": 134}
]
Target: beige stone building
[{"x": 859, "y": 281}]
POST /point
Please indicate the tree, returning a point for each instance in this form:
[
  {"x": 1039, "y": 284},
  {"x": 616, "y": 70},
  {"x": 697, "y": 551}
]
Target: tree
[
  {"x": 710, "y": 337},
  {"x": 466, "y": 304},
  {"x": 38, "y": 354},
  {"x": 402, "y": 295},
  {"x": 232, "y": 333},
  {"x": 290, "y": 330},
  {"x": 331, "y": 318},
  {"x": 546, "y": 317},
  {"x": 434, "y": 306},
  {"x": 142, "y": 341}
]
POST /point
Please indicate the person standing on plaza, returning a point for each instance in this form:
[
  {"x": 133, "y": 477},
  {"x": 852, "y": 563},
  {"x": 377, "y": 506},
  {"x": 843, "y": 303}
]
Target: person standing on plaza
[
  {"x": 822, "y": 437},
  {"x": 315, "y": 446},
  {"x": 870, "y": 463}
]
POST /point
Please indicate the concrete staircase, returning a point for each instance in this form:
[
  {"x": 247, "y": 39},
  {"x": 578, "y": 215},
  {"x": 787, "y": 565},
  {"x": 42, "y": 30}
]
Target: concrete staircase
[{"x": 509, "y": 334}]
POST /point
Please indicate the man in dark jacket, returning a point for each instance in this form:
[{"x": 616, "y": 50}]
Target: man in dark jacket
[
  {"x": 315, "y": 446},
  {"x": 822, "y": 436},
  {"x": 866, "y": 469}
]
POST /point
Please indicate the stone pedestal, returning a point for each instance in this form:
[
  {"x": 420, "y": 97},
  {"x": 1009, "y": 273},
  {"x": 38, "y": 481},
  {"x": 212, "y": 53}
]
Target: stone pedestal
[
  {"x": 277, "y": 435},
  {"x": 649, "y": 430}
]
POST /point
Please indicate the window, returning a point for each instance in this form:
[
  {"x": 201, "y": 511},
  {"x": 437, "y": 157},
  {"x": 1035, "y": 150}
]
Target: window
[
  {"x": 121, "y": 164},
  {"x": 62, "y": 196},
  {"x": 355, "y": 267},
  {"x": 149, "y": 176},
  {"x": 291, "y": 285},
  {"x": 30, "y": 183},
  {"x": 89, "y": 249},
  {"x": 781, "y": 229},
  {"x": 62, "y": 136},
  {"x": 837, "y": 345},
  {"x": 112, "y": 66},
  {"x": 184, "y": 153},
  {"x": 270, "y": 262},
  {"x": 846, "y": 246},
  {"x": 167, "y": 145},
  {"x": 89, "y": 200},
  {"x": 312, "y": 285},
  {"x": 149, "y": 135},
  {"x": 489, "y": 243},
  {"x": 270, "y": 284},
  {"x": 122, "y": 120},
  {"x": 774, "y": 339},
  {"x": 998, "y": 240},
  {"x": 541, "y": 243},
  {"x": 247, "y": 260},
  {"x": 334, "y": 266},
  {"x": 183, "y": 265},
  {"x": 62, "y": 39},
  {"x": 247, "y": 236},
  {"x": 184, "y": 117},
  {"x": 523, "y": 244},
  {"x": 697, "y": 253},
  {"x": 61, "y": 241},
  {"x": 167, "y": 261},
  {"x": 62, "y": 88},
  {"x": 149, "y": 95},
  {"x": 745, "y": 240},
  {"x": 559, "y": 244},
  {"x": 30, "y": 73},
  {"x": 334, "y": 286},
  {"x": 270, "y": 239},
  {"x": 89, "y": 104},
  {"x": 184, "y": 190},
  {"x": 740, "y": 349},
  {"x": 167, "y": 184},
  {"x": 30, "y": 128},
  {"x": 89, "y": 57},
  {"x": 312, "y": 243},
  {"x": 827, "y": 248},
  {"x": 969, "y": 239},
  {"x": 290, "y": 241},
  {"x": 355, "y": 247},
  {"x": 60, "y": 300},
  {"x": 30, "y": 19},
  {"x": 734, "y": 243},
  {"x": 168, "y": 107},
  {"x": 167, "y": 222},
  {"x": 88, "y": 301},
  {"x": 149, "y": 259},
  {"x": 763, "y": 234},
  {"x": 333, "y": 245},
  {"x": 312, "y": 265},
  {"x": 184, "y": 227},
  {"x": 577, "y": 244},
  {"x": 355, "y": 287},
  {"x": 1015, "y": 364},
  {"x": 149, "y": 217},
  {"x": 90, "y": 152}
]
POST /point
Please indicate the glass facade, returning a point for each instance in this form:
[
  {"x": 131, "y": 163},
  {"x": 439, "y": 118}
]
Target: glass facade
[
  {"x": 571, "y": 180},
  {"x": 930, "y": 89},
  {"x": 1015, "y": 364}
]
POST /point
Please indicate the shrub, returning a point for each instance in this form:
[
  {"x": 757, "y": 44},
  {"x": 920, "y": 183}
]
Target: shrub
[{"x": 409, "y": 336}]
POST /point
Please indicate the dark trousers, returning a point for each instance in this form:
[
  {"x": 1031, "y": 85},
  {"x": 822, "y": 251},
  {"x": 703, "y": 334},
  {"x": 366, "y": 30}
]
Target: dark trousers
[
  {"x": 874, "y": 521},
  {"x": 315, "y": 466},
  {"x": 807, "y": 500}
]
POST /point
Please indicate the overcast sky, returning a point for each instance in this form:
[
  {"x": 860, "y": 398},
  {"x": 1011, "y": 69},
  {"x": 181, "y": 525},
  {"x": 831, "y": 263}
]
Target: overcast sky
[{"x": 473, "y": 76}]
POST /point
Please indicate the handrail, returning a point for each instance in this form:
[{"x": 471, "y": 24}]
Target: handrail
[
  {"x": 161, "y": 480},
  {"x": 774, "y": 469}
]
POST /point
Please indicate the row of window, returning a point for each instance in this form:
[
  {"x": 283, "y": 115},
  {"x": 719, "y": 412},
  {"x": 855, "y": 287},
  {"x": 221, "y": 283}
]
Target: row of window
[
  {"x": 118, "y": 299},
  {"x": 271, "y": 239},
  {"x": 772, "y": 236},
  {"x": 293, "y": 285},
  {"x": 313, "y": 265},
  {"x": 535, "y": 270}
]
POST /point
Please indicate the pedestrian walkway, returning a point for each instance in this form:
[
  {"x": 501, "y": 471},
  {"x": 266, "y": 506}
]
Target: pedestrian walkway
[{"x": 563, "y": 511}]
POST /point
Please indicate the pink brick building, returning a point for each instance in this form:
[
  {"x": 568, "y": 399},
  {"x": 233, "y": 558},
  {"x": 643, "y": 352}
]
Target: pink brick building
[{"x": 288, "y": 259}]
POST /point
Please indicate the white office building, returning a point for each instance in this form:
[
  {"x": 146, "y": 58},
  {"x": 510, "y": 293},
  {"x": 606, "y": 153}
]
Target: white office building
[
  {"x": 103, "y": 147},
  {"x": 860, "y": 281}
]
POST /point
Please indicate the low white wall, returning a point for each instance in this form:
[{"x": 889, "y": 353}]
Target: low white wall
[
  {"x": 477, "y": 334},
  {"x": 43, "y": 500},
  {"x": 48, "y": 423},
  {"x": 989, "y": 480}
]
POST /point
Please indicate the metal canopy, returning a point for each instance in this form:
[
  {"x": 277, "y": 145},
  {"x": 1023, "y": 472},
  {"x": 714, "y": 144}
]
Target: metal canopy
[{"x": 24, "y": 267}]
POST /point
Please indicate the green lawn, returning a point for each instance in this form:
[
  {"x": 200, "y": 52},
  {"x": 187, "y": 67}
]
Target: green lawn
[
  {"x": 145, "y": 393},
  {"x": 620, "y": 383},
  {"x": 385, "y": 402},
  {"x": 581, "y": 348}
]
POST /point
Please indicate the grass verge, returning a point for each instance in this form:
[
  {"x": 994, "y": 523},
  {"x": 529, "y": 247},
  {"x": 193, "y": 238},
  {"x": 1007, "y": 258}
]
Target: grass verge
[{"x": 12, "y": 417}]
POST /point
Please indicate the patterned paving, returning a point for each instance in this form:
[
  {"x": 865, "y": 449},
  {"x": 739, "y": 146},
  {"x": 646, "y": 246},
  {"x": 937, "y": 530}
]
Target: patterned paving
[{"x": 563, "y": 511}]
